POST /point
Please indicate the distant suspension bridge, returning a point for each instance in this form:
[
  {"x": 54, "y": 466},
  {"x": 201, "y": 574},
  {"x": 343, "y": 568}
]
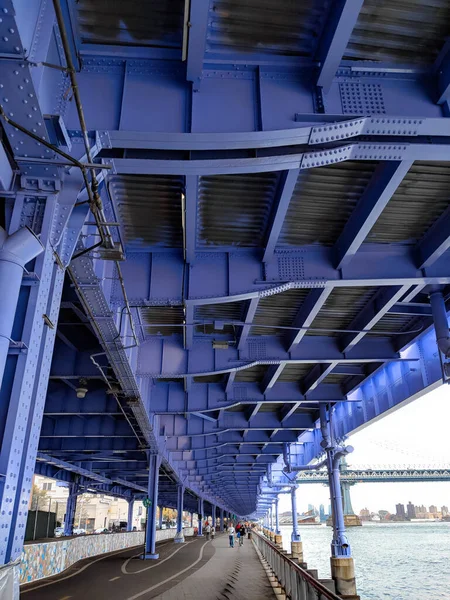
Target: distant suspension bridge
[{"x": 380, "y": 474}]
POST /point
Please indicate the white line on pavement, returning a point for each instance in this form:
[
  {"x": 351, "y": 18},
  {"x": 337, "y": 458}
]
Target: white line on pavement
[
  {"x": 156, "y": 564},
  {"x": 114, "y": 578},
  {"x": 157, "y": 585},
  {"x": 38, "y": 587}
]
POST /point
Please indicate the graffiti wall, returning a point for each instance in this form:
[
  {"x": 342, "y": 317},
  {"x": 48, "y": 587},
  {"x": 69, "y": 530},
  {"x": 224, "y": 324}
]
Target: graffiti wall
[{"x": 41, "y": 560}]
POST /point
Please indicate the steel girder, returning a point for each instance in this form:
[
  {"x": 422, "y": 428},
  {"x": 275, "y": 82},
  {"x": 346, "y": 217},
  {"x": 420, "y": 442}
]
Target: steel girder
[{"x": 253, "y": 112}]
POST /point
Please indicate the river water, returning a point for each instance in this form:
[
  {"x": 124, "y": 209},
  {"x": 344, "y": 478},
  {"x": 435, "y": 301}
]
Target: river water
[{"x": 393, "y": 561}]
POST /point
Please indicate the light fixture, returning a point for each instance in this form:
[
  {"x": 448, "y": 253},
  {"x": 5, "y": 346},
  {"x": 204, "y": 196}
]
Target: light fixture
[{"x": 82, "y": 389}]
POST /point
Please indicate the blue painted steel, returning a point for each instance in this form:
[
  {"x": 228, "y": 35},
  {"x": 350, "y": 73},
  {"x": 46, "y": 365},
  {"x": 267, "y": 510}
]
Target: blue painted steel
[
  {"x": 341, "y": 21},
  {"x": 201, "y": 516},
  {"x": 340, "y": 546},
  {"x": 285, "y": 190},
  {"x": 257, "y": 114},
  {"x": 180, "y": 505},
  {"x": 380, "y": 190},
  {"x": 222, "y": 522},
  {"x": 16, "y": 251},
  {"x": 150, "y": 526},
  {"x": 197, "y": 28},
  {"x": 130, "y": 515},
  {"x": 160, "y": 512},
  {"x": 69, "y": 519},
  {"x": 277, "y": 517},
  {"x": 295, "y": 536}
]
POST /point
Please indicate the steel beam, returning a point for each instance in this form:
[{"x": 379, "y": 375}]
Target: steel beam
[
  {"x": 335, "y": 37},
  {"x": 286, "y": 186},
  {"x": 197, "y": 28},
  {"x": 385, "y": 181}
]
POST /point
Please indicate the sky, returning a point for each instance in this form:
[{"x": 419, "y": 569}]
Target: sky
[{"x": 417, "y": 434}]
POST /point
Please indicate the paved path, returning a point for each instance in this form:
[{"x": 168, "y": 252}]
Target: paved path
[
  {"x": 198, "y": 569},
  {"x": 231, "y": 574}
]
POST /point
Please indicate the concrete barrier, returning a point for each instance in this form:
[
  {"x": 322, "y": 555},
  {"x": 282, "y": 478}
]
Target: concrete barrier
[{"x": 45, "y": 559}]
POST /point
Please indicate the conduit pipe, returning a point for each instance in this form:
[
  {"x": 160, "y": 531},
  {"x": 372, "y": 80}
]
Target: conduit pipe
[
  {"x": 440, "y": 322},
  {"x": 291, "y": 469},
  {"x": 16, "y": 251}
]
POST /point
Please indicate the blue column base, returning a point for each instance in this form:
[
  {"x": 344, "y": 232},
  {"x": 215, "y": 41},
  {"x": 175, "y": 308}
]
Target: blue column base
[
  {"x": 149, "y": 556},
  {"x": 295, "y": 537},
  {"x": 200, "y": 535}
]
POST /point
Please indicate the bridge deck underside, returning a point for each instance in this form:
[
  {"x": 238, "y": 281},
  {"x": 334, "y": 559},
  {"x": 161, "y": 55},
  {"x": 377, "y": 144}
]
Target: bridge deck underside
[{"x": 283, "y": 207}]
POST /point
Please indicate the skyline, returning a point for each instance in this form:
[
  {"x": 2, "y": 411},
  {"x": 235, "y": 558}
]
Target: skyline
[{"x": 398, "y": 439}]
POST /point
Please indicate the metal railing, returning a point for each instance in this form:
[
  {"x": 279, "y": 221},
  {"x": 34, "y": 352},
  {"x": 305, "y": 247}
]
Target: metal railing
[{"x": 298, "y": 584}]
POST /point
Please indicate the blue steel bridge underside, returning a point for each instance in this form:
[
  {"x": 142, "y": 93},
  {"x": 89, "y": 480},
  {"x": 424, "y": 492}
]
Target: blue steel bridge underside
[{"x": 283, "y": 208}]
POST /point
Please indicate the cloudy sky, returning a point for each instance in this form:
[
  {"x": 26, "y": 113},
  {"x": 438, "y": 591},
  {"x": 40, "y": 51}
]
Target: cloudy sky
[{"x": 415, "y": 435}]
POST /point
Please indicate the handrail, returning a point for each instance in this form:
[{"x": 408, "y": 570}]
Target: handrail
[{"x": 296, "y": 582}]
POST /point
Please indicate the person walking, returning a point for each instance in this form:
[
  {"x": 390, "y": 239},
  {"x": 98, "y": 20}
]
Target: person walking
[
  {"x": 208, "y": 531},
  {"x": 231, "y": 531},
  {"x": 213, "y": 532},
  {"x": 242, "y": 536}
]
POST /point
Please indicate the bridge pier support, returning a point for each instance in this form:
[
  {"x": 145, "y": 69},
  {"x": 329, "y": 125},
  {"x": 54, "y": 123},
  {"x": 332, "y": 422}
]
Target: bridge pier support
[
  {"x": 200, "y": 517},
  {"x": 222, "y": 522},
  {"x": 213, "y": 517},
  {"x": 160, "y": 509},
  {"x": 71, "y": 509},
  {"x": 296, "y": 542},
  {"x": 179, "y": 537},
  {"x": 130, "y": 515},
  {"x": 278, "y": 538},
  {"x": 150, "y": 526},
  {"x": 342, "y": 566}
]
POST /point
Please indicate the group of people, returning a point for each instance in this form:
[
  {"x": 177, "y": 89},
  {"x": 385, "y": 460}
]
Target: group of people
[
  {"x": 239, "y": 531},
  {"x": 210, "y": 531}
]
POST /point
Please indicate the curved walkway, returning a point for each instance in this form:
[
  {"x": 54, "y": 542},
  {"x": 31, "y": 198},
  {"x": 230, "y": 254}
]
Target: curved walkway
[{"x": 196, "y": 569}]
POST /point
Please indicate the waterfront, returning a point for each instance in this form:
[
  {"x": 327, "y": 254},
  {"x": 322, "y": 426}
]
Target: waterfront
[{"x": 393, "y": 561}]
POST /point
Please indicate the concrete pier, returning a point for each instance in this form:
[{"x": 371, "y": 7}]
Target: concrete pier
[
  {"x": 297, "y": 551},
  {"x": 343, "y": 574}
]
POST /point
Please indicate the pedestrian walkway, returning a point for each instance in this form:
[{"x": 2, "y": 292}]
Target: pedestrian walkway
[
  {"x": 196, "y": 569},
  {"x": 231, "y": 574}
]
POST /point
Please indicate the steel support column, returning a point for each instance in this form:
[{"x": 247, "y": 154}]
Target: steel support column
[
  {"x": 200, "y": 517},
  {"x": 16, "y": 251},
  {"x": 160, "y": 508},
  {"x": 222, "y": 528},
  {"x": 277, "y": 517},
  {"x": 342, "y": 566},
  {"x": 130, "y": 515},
  {"x": 71, "y": 508},
  {"x": 179, "y": 537},
  {"x": 153, "y": 483},
  {"x": 295, "y": 535},
  {"x": 29, "y": 376},
  {"x": 213, "y": 518}
]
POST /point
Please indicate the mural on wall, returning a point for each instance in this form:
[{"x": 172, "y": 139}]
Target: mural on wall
[{"x": 50, "y": 558}]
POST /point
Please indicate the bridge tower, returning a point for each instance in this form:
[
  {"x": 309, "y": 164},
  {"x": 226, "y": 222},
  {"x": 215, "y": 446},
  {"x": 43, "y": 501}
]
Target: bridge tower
[{"x": 350, "y": 518}]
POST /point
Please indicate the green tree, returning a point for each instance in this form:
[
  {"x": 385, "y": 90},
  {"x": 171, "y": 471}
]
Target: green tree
[{"x": 38, "y": 498}]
